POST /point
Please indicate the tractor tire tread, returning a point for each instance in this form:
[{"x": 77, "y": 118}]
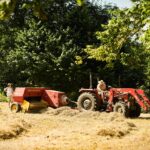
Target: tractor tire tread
[
  {"x": 92, "y": 98},
  {"x": 124, "y": 107}
]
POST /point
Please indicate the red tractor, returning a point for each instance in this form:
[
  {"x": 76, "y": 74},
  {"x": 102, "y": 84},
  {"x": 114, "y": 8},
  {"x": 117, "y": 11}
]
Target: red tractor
[
  {"x": 127, "y": 101},
  {"x": 26, "y": 98}
]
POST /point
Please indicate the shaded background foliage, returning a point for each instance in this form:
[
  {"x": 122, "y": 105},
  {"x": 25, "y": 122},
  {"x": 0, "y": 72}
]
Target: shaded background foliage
[{"x": 46, "y": 44}]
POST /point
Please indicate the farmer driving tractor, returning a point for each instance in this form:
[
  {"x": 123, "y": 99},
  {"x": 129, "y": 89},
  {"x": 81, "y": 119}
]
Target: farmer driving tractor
[{"x": 102, "y": 89}]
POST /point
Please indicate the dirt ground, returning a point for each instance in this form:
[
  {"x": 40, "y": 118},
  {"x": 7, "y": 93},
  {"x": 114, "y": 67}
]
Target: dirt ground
[{"x": 68, "y": 129}]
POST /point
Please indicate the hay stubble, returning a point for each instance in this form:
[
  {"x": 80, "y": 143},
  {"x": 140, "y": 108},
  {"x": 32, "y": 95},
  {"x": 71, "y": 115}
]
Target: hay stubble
[{"x": 68, "y": 129}]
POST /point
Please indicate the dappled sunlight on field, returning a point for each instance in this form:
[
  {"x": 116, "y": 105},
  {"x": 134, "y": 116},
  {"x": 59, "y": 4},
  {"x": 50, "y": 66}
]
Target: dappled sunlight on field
[{"x": 69, "y": 129}]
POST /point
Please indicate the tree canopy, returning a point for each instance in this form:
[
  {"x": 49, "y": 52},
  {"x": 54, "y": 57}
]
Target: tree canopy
[
  {"x": 124, "y": 40},
  {"x": 7, "y": 7},
  {"x": 57, "y": 43}
]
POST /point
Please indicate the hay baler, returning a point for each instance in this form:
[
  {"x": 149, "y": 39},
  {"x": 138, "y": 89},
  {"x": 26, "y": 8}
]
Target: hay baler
[
  {"x": 127, "y": 101},
  {"x": 26, "y": 98}
]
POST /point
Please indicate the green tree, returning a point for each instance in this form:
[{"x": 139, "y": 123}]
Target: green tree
[
  {"x": 119, "y": 44},
  {"x": 7, "y": 7},
  {"x": 44, "y": 52},
  {"x": 40, "y": 56}
]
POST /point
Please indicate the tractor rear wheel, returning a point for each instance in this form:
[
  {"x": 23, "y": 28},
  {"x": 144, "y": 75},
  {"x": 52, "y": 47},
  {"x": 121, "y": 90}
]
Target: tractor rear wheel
[
  {"x": 87, "y": 101},
  {"x": 122, "y": 108},
  {"x": 135, "y": 111},
  {"x": 15, "y": 107}
]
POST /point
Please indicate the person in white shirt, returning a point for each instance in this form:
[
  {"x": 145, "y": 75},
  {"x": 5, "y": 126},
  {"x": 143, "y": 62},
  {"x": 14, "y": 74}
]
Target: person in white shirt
[
  {"x": 102, "y": 89},
  {"x": 9, "y": 90}
]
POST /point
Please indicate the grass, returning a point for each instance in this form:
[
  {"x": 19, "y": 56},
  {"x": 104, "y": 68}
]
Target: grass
[{"x": 3, "y": 98}]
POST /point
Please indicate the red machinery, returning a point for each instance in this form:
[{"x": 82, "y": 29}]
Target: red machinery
[
  {"x": 27, "y": 97},
  {"x": 127, "y": 101}
]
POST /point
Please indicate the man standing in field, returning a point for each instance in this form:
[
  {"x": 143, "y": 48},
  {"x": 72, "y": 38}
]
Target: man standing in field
[{"x": 9, "y": 91}]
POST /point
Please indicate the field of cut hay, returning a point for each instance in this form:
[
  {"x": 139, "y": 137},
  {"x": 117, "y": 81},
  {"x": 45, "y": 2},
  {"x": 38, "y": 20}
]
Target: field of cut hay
[{"x": 68, "y": 129}]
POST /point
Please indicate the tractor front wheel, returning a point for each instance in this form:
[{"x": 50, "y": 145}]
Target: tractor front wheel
[
  {"x": 15, "y": 107},
  {"x": 87, "y": 101},
  {"x": 122, "y": 108},
  {"x": 135, "y": 111}
]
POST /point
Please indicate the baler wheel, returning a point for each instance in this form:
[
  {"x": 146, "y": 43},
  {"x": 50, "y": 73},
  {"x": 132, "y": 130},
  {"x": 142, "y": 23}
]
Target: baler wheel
[
  {"x": 122, "y": 108},
  {"x": 87, "y": 101},
  {"x": 135, "y": 112},
  {"x": 15, "y": 107}
]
